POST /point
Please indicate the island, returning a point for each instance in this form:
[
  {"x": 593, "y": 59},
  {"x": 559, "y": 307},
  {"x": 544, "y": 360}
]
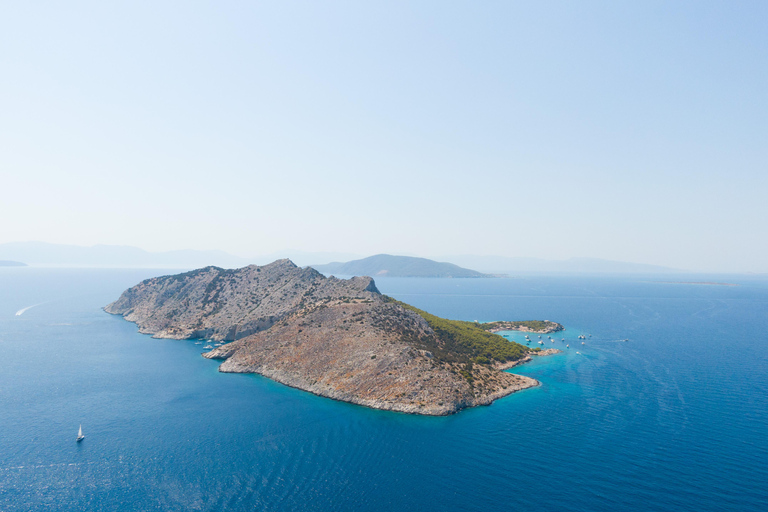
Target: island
[
  {"x": 9, "y": 263},
  {"x": 702, "y": 283},
  {"x": 337, "y": 338},
  {"x": 387, "y": 265}
]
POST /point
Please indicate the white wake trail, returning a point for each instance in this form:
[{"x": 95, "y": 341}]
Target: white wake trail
[{"x": 21, "y": 311}]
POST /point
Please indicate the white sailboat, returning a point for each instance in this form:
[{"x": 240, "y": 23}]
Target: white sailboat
[{"x": 80, "y": 435}]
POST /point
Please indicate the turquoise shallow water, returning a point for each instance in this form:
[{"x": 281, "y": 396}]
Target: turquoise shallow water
[{"x": 674, "y": 419}]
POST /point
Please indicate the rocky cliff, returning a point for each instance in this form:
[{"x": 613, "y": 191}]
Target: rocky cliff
[{"x": 336, "y": 338}]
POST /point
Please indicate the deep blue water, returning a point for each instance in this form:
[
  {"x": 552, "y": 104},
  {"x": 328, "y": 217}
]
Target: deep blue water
[{"x": 676, "y": 418}]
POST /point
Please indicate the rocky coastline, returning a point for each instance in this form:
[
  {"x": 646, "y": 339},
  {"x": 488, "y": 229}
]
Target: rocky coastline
[{"x": 528, "y": 359}]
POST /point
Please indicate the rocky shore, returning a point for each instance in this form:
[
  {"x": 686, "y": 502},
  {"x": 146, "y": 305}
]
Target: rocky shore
[{"x": 527, "y": 358}]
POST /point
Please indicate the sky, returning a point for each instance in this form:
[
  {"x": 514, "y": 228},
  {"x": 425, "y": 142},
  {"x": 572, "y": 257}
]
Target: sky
[{"x": 632, "y": 131}]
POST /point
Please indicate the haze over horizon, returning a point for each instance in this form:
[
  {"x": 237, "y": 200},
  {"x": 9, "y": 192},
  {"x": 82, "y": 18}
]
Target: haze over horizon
[
  {"x": 44, "y": 254},
  {"x": 627, "y": 132}
]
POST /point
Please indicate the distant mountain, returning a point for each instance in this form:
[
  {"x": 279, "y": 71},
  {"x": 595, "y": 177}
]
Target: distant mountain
[
  {"x": 9, "y": 263},
  {"x": 397, "y": 266},
  {"x": 507, "y": 265},
  {"x": 46, "y": 254},
  {"x": 305, "y": 259},
  {"x": 59, "y": 255}
]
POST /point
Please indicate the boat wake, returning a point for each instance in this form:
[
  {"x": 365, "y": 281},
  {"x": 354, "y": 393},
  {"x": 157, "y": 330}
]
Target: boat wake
[
  {"x": 21, "y": 311},
  {"x": 56, "y": 465}
]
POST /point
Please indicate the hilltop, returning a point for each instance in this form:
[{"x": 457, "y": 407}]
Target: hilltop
[
  {"x": 397, "y": 266},
  {"x": 339, "y": 338}
]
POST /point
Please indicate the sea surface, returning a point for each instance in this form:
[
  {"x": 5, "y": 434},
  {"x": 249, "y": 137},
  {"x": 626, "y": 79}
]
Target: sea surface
[{"x": 673, "y": 419}]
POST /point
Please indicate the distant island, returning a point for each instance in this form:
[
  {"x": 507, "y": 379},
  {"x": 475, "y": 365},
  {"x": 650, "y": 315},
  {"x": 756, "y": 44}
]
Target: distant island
[
  {"x": 44, "y": 254},
  {"x": 336, "y": 338},
  {"x": 386, "y": 265},
  {"x": 704, "y": 283},
  {"x": 515, "y": 265},
  {"x": 9, "y": 263},
  {"x": 119, "y": 256},
  {"x": 61, "y": 255}
]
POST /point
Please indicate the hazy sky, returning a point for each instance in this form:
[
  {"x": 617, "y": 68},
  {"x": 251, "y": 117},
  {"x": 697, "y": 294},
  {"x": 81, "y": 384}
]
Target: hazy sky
[{"x": 635, "y": 131}]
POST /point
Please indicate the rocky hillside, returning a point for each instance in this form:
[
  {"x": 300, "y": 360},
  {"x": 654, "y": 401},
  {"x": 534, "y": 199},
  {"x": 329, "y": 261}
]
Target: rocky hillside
[
  {"x": 336, "y": 338},
  {"x": 219, "y": 304}
]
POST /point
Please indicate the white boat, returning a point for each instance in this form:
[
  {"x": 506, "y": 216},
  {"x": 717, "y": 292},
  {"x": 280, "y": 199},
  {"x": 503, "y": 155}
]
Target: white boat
[
  {"x": 80, "y": 435},
  {"x": 208, "y": 346},
  {"x": 567, "y": 346},
  {"x": 582, "y": 343}
]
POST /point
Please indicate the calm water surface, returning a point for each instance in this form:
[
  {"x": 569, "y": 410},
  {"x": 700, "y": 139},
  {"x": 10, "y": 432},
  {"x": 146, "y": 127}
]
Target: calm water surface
[{"x": 674, "y": 419}]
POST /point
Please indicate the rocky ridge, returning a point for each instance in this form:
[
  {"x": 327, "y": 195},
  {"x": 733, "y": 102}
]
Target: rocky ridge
[{"x": 336, "y": 338}]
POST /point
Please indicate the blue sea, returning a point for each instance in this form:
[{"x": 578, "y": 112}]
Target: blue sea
[{"x": 673, "y": 419}]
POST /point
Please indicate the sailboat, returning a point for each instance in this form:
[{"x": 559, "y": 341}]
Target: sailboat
[{"x": 80, "y": 435}]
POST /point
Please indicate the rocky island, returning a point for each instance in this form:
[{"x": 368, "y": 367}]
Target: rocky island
[{"x": 336, "y": 338}]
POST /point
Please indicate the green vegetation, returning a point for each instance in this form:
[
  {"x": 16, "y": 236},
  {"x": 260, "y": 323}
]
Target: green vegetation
[{"x": 465, "y": 342}]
